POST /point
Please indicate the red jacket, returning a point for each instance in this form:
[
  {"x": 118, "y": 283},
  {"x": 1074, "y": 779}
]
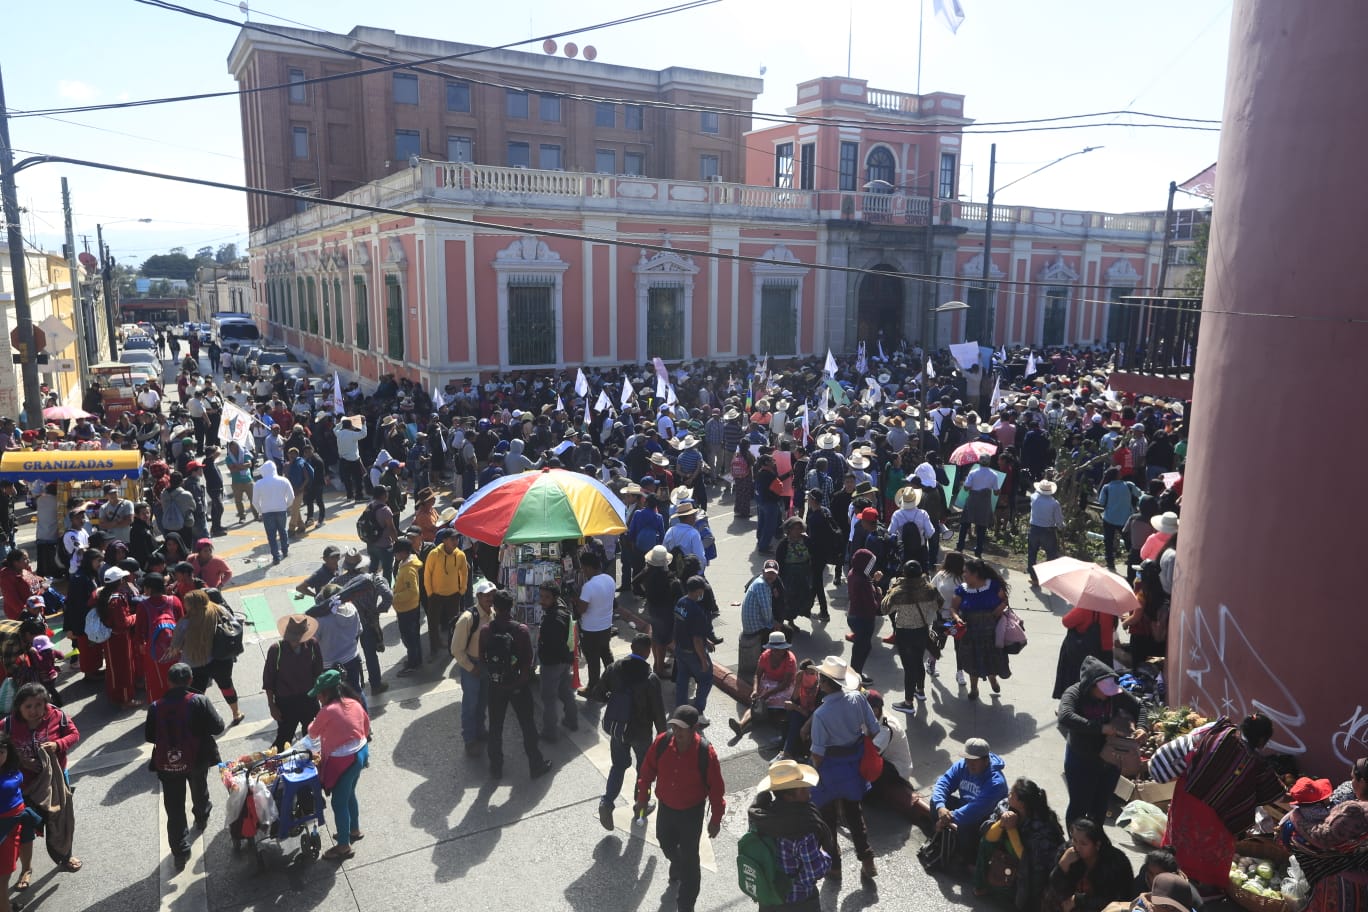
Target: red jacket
[
  {"x": 16, "y": 586},
  {"x": 56, "y": 727},
  {"x": 676, "y": 777}
]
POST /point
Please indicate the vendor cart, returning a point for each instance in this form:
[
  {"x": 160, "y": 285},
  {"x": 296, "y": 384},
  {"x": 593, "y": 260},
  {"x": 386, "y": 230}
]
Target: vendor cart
[
  {"x": 80, "y": 475},
  {"x": 274, "y": 796}
]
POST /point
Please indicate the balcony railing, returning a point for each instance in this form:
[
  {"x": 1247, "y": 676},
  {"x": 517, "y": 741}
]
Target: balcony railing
[{"x": 901, "y": 102}]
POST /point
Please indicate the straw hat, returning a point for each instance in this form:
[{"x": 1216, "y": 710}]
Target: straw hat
[
  {"x": 681, "y": 494},
  {"x": 630, "y": 488},
  {"x": 788, "y": 774},
  {"x": 687, "y": 442},
  {"x": 835, "y": 668},
  {"x": 858, "y": 461},
  {"x": 1167, "y": 523},
  {"x": 828, "y": 441},
  {"x": 296, "y": 628},
  {"x": 686, "y": 509},
  {"x": 659, "y": 459},
  {"x": 960, "y": 421},
  {"x": 908, "y": 497},
  {"x": 389, "y": 421},
  {"x": 447, "y": 515},
  {"x": 1046, "y": 487},
  {"x": 731, "y": 414},
  {"x": 658, "y": 556}
]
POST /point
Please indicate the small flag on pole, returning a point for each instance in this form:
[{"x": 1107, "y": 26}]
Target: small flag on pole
[
  {"x": 1031, "y": 366},
  {"x": 670, "y": 395},
  {"x": 861, "y": 362},
  {"x": 560, "y": 403},
  {"x": 996, "y": 399},
  {"x": 604, "y": 403},
  {"x": 950, "y": 13},
  {"x": 627, "y": 391},
  {"x": 337, "y": 395},
  {"x": 882, "y": 356},
  {"x": 930, "y": 371},
  {"x": 830, "y": 366},
  {"x": 581, "y": 384},
  {"x": 438, "y": 400}
]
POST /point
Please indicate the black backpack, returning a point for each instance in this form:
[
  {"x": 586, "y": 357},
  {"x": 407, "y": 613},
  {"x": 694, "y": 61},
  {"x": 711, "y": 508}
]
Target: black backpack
[
  {"x": 500, "y": 656},
  {"x": 367, "y": 526}
]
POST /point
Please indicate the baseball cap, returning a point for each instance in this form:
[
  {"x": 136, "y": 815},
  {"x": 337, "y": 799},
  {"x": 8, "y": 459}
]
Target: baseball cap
[
  {"x": 772, "y": 565},
  {"x": 484, "y": 586},
  {"x": 684, "y": 716},
  {"x": 976, "y": 749},
  {"x": 870, "y": 514},
  {"x": 331, "y": 551}
]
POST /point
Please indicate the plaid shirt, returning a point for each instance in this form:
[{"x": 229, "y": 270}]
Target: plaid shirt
[
  {"x": 757, "y": 608},
  {"x": 822, "y": 483},
  {"x": 805, "y": 862}
]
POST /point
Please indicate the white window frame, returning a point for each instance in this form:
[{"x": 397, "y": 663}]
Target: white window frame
[
  {"x": 665, "y": 269},
  {"x": 532, "y": 258},
  {"x": 781, "y": 267}
]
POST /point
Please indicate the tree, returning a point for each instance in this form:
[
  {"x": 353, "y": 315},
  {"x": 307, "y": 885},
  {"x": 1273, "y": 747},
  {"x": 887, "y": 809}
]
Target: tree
[
  {"x": 173, "y": 265},
  {"x": 1194, "y": 283},
  {"x": 204, "y": 253},
  {"x": 227, "y": 254}
]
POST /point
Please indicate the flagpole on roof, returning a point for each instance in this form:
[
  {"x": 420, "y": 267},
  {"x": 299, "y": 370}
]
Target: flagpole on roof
[{"x": 921, "y": 22}]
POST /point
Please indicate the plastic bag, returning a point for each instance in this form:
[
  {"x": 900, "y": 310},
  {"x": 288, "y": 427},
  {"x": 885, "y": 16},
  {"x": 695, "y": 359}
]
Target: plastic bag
[
  {"x": 1144, "y": 821},
  {"x": 237, "y": 797},
  {"x": 265, "y": 804},
  {"x": 1295, "y": 888}
]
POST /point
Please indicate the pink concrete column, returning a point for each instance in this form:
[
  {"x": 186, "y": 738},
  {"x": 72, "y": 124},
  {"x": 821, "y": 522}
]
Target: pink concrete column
[{"x": 1269, "y": 607}]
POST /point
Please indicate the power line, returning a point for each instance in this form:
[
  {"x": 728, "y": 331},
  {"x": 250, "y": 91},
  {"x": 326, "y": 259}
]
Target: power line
[
  {"x": 1021, "y": 126},
  {"x": 151, "y": 139},
  {"x": 640, "y": 245}
]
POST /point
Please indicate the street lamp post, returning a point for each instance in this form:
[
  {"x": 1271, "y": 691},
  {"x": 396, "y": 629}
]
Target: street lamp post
[
  {"x": 107, "y": 275},
  {"x": 947, "y": 307}
]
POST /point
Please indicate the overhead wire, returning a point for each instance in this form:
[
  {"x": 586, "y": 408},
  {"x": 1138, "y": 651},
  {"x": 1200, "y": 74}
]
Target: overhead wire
[
  {"x": 495, "y": 227},
  {"x": 1017, "y": 126}
]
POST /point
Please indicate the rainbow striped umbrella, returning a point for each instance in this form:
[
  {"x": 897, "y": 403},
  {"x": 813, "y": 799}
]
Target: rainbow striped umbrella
[{"x": 550, "y": 505}]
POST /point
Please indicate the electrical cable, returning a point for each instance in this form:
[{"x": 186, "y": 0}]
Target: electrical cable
[
  {"x": 637, "y": 245},
  {"x": 1180, "y": 123}
]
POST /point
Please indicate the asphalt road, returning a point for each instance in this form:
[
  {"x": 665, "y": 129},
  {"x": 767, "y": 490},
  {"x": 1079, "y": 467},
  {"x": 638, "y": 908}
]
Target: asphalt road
[{"x": 440, "y": 833}]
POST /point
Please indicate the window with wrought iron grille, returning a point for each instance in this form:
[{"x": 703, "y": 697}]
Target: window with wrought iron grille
[
  {"x": 807, "y": 167},
  {"x": 783, "y": 165},
  {"x": 339, "y": 326},
  {"x": 665, "y": 322},
  {"x": 947, "y": 175},
  {"x": 394, "y": 318},
  {"x": 531, "y": 324},
  {"x": 327, "y": 312},
  {"x": 850, "y": 165},
  {"x": 313, "y": 305},
  {"x": 778, "y": 318},
  {"x": 362, "y": 308}
]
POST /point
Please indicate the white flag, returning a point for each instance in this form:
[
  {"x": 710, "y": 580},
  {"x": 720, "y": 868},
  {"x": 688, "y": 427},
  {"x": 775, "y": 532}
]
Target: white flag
[
  {"x": 882, "y": 356},
  {"x": 951, "y": 13},
  {"x": 337, "y": 396},
  {"x": 670, "y": 395},
  {"x": 930, "y": 371},
  {"x": 824, "y": 404},
  {"x": 236, "y": 424},
  {"x": 604, "y": 403},
  {"x": 438, "y": 400},
  {"x": 661, "y": 371},
  {"x": 996, "y": 399},
  {"x": 1002, "y": 354},
  {"x": 1030, "y": 363},
  {"x": 807, "y": 427},
  {"x": 875, "y": 391},
  {"x": 627, "y": 391},
  {"x": 581, "y": 384},
  {"x": 830, "y": 366},
  {"x": 861, "y": 362},
  {"x": 560, "y": 403}
]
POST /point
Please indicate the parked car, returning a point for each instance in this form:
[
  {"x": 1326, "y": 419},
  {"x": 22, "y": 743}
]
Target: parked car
[
  {"x": 293, "y": 370},
  {"x": 243, "y": 356},
  {"x": 140, "y": 343},
  {"x": 269, "y": 356},
  {"x": 141, "y": 356}
]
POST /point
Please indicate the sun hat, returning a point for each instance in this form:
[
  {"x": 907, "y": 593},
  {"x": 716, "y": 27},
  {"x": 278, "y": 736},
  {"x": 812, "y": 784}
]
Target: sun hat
[
  {"x": 788, "y": 774},
  {"x": 908, "y": 496},
  {"x": 1046, "y": 487},
  {"x": 328, "y": 680},
  {"x": 686, "y": 509},
  {"x": 1172, "y": 891},
  {"x": 858, "y": 461},
  {"x": 1308, "y": 790},
  {"x": 296, "y": 628},
  {"x": 976, "y": 749},
  {"x": 1166, "y": 523},
  {"x": 659, "y": 459},
  {"x": 777, "y": 640},
  {"x": 687, "y": 442},
  {"x": 835, "y": 668},
  {"x": 658, "y": 556}
]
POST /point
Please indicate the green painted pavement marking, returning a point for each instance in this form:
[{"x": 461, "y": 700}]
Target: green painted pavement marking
[{"x": 259, "y": 614}]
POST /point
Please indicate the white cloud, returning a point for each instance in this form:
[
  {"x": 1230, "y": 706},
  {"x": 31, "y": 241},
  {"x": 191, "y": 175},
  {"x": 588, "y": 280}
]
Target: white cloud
[{"x": 75, "y": 90}]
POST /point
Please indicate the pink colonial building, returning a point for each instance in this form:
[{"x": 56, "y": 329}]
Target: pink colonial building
[{"x": 489, "y": 265}]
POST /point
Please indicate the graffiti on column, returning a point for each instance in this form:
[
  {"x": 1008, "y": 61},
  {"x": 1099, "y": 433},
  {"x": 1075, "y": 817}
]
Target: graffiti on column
[
  {"x": 1232, "y": 679},
  {"x": 1351, "y": 740}
]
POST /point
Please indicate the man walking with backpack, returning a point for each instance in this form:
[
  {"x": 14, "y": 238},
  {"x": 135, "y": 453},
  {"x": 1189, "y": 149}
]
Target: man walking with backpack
[
  {"x": 789, "y": 847},
  {"x": 181, "y": 727},
  {"x": 465, "y": 649},
  {"x": 506, "y": 657},
  {"x": 633, "y": 716},
  {"x": 556, "y": 659},
  {"x": 687, "y": 776},
  {"x": 376, "y": 528}
]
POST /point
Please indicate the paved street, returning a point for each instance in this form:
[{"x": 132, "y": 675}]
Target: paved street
[{"x": 436, "y": 829}]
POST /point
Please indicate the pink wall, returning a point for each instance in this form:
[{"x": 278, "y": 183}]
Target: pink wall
[
  {"x": 1252, "y": 629},
  {"x": 458, "y": 338}
]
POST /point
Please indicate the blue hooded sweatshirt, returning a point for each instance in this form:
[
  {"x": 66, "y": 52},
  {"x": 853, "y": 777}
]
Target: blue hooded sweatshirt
[{"x": 979, "y": 794}]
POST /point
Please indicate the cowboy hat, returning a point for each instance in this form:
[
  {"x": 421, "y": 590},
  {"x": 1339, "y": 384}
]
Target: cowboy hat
[
  {"x": 447, "y": 515},
  {"x": 864, "y": 487},
  {"x": 858, "y": 461},
  {"x": 685, "y": 509},
  {"x": 960, "y": 421},
  {"x": 1167, "y": 523},
  {"x": 908, "y": 496},
  {"x": 658, "y": 556},
  {"x": 985, "y": 428},
  {"x": 835, "y": 668},
  {"x": 630, "y": 488},
  {"x": 424, "y": 495},
  {"x": 828, "y": 441},
  {"x": 687, "y": 442},
  {"x": 680, "y": 494},
  {"x": 1046, "y": 487},
  {"x": 389, "y": 421},
  {"x": 659, "y": 459},
  {"x": 788, "y": 774},
  {"x": 731, "y": 414},
  {"x": 296, "y": 628}
]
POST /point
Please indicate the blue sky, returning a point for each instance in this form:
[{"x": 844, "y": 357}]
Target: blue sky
[{"x": 1012, "y": 60}]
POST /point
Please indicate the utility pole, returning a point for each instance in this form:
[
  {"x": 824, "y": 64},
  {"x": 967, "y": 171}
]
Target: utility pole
[
  {"x": 1168, "y": 239},
  {"x": 989, "y": 311},
  {"x": 23, "y": 315},
  {"x": 83, "y": 346},
  {"x": 106, "y": 274}
]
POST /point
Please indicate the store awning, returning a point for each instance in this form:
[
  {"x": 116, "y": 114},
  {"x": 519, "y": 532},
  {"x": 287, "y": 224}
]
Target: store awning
[{"x": 69, "y": 465}]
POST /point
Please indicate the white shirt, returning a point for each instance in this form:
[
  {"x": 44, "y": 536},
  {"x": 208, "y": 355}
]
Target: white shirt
[
  {"x": 981, "y": 479},
  {"x": 914, "y": 515},
  {"x": 77, "y": 540},
  {"x": 148, "y": 400},
  {"x": 599, "y": 592},
  {"x": 891, "y": 740},
  {"x": 195, "y": 407}
]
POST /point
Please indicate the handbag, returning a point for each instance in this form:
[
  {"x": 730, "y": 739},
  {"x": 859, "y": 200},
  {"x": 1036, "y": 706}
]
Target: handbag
[
  {"x": 1002, "y": 870},
  {"x": 871, "y": 761},
  {"x": 227, "y": 642},
  {"x": 1123, "y": 752},
  {"x": 96, "y": 630},
  {"x": 1010, "y": 634}
]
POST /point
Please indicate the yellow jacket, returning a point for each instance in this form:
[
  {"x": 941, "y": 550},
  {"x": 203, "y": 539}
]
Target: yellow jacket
[
  {"x": 446, "y": 574},
  {"x": 406, "y": 591}
]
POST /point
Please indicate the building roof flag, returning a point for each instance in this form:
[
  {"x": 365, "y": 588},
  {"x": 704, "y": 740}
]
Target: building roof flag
[{"x": 951, "y": 13}]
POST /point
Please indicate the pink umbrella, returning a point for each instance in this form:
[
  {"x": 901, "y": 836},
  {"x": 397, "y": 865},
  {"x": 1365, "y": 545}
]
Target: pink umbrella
[
  {"x": 1086, "y": 585},
  {"x": 65, "y": 413},
  {"x": 969, "y": 453}
]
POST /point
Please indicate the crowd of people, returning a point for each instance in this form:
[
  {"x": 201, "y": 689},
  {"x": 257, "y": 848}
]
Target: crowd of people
[{"x": 856, "y": 479}]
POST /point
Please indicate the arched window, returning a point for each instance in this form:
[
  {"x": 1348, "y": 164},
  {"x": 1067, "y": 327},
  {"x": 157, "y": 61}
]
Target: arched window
[{"x": 879, "y": 166}]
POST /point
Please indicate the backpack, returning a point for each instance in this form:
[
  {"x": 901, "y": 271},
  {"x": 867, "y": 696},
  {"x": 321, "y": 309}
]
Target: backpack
[
  {"x": 617, "y": 714},
  {"x": 367, "y": 526},
  {"x": 96, "y": 630},
  {"x": 758, "y": 870},
  {"x": 173, "y": 514},
  {"x": 500, "y": 656},
  {"x": 227, "y": 643},
  {"x": 662, "y": 742},
  {"x": 647, "y": 537},
  {"x": 176, "y": 747}
]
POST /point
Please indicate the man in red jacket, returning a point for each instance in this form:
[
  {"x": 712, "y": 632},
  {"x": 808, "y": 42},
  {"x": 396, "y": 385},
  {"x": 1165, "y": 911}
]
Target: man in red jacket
[{"x": 684, "y": 768}]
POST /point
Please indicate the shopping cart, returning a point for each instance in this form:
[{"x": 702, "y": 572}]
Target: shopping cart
[{"x": 296, "y": 804}]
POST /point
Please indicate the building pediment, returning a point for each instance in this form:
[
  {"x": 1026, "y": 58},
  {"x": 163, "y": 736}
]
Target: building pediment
[
  {"x": 973, "y": 269},
  {"x": 1058, "y": 271},
  {"x": 665, "y": 262},
  {"x": 1122, "y": 272}
]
